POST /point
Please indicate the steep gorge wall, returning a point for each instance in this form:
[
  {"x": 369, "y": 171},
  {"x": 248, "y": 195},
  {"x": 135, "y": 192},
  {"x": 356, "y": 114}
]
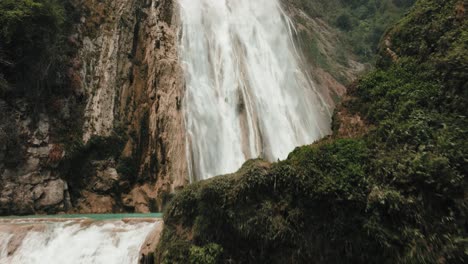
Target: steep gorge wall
[
  {"x": 126, "y": 74},
  {"x": 133, "y": 80}
]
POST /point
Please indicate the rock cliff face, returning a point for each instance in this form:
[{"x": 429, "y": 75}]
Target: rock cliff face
[
  {"x": 33, "y": 185},
  {"x": 127, "y": 71},
  {"x": 130, "y": 73}
]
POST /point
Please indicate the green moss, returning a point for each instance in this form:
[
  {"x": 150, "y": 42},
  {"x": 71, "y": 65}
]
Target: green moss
[{"x": 261, "y": 212}]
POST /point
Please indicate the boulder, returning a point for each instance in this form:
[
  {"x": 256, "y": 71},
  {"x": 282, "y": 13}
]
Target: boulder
[
  {"x": 51, "y": 193},
  {"x": 106, "y": 180}
]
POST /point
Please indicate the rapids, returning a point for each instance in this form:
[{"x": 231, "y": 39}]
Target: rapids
[{"x": 73, "y": 241}]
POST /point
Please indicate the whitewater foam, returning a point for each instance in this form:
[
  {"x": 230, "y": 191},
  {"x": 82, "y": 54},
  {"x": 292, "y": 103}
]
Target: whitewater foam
[
  {"x": 72, "y": 241},
  {"x": 246, "y": 94}
]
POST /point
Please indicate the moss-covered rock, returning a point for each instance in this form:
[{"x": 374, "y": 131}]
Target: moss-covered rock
[{"x": 299, "y": 210}]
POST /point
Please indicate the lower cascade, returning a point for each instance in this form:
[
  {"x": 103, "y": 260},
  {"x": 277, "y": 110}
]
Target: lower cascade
[
  {"x": 247, "y": 95},
  {"x": 75, "y": 241}
]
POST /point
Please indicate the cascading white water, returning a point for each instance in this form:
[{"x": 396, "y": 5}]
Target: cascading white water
[
  {"x": 72, "y": 241},
  {"x": 246, "y": 95}
]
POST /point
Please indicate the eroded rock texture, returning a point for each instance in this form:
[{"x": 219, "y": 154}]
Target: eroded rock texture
[
  {"x": 131, "y": 76},
  {"x": 126, "y": 74},
  {"x": 32, "y": 184}
]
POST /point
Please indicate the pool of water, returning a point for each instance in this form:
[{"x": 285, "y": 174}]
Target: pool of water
[{"x": 86, "y": 216}]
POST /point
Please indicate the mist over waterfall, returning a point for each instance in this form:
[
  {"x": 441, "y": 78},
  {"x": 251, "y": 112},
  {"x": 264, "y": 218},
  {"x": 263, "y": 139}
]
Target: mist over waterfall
[
  {"x": 246, "y": 94},
  {"x": 72, "y": 241}
]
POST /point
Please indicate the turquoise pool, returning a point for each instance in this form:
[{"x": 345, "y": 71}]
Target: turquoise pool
[{"x": 88, "y": 216}]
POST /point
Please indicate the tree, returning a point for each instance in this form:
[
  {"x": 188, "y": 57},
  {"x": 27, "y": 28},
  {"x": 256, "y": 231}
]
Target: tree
[
  {"x": 344, "y": 22},
  {"x": 29, "y": 33}
]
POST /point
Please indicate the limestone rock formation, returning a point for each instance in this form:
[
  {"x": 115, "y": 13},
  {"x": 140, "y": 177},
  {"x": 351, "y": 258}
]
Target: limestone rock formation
[
  {"x": 130, "y": 72},
  {"x": 33, "y": 185},
  {"x": 126, "y": 70}
]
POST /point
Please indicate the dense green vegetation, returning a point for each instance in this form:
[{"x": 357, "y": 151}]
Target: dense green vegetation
[
  {"x": 362, "y": 22},
  {"x": 394, "y": 195},
  {"x": 32, "y": 50},
  {"x": 35, "y": 58}
]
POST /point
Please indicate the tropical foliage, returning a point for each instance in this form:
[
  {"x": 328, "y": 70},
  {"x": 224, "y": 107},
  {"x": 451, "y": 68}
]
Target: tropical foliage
[{"x": 31, "y": 45}]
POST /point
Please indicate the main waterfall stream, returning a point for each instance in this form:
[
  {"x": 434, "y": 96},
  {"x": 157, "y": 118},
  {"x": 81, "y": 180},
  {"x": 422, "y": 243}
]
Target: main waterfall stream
[{"x": 247, "y": 95}]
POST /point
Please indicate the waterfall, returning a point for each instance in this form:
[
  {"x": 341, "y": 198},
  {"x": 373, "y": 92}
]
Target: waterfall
[
  {"x": 247, "y": 95},
  {"x": 73, "y": 241}
]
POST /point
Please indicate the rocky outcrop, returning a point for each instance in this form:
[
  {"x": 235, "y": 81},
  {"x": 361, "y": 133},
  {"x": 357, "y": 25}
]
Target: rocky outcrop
[
  {"x": 33, "y": 185},
  {"x": 150, "y": 244}
]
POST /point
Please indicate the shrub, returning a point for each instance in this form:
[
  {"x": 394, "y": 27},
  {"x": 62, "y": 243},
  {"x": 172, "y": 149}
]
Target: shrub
[
  {"x": 32, "y": 46},
  {"x": 209, "y": 254},
  {"x": 344, "y": 22}
]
